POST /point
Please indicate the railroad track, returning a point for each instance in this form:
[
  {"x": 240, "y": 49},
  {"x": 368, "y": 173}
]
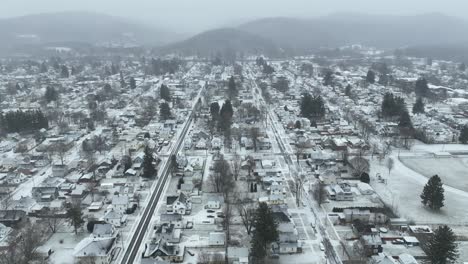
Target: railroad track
[{"x": 130, "y": 253}]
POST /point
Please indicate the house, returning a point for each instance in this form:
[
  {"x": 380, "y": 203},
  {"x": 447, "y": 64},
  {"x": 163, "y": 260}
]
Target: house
[
  {"x": 178, "y": 204},
  {"x": 45, "y": 193},
  {"x": 95, "y": 249},
  {"x": 115, "y": 218},
  {"x": 339, "y": 192},
  {"x": 201, "y": 144},
  {"x": 263, "y": 143},
  {"x": 120, "y": 204},
  {"x": 372, "y": 244},
  {"x": 166, "y": 251},
  {"x": 104, "y": 230},
  {"x": 352, "y": 214},
  {"x": 288, "y": 239},
  {"x": 172, "y": 219},
  {"x": 168, "y": 232},
  {"x": 59, "y": 170},
  {"x": 216, "y": 143}
]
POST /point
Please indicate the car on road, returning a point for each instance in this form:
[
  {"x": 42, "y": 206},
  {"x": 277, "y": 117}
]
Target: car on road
[{"x": 322, "y": 247}]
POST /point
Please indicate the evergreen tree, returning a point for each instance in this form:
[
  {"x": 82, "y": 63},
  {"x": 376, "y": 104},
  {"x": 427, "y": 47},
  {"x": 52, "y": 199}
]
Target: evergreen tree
[
  {"x": 405, "y": 120},
  {"x": 64, "y": 72},
  {"x": 260, "y": 61},
  {"x": 214, "y": 110},
  {"x": 348, "y": 90},
  {"x": 165, "y": 93},
  {"x": 226, "y": 114},
  {"x": 421, "y": 88},
  {"x": 267, "y": 69},
  {"x": 226, "y": 111},
  {"x": 433, "y": 193},
  {"x": 365, "y": 177},
  {"x": 122, "y": 80},
  {"x": 51, "y": 94},
  {"x": 327, "y": 80},
  {"x": 392, "y": 106},
  {"x": 370, "y": 78},
  {"x": 384, "y": 79},
  {"x": 149, "y": 170},
  {"x": 165, "y": 111},
  {"x": 312, "y": 106},
  {"x": 265, "y": 232},
  {"x": 442, "y": 248},
  {"x": 418, "y": 107},
  {"x": 76, "y": 217},
  {"x": 464, "y": 135},
  {"x": 114, "y": 69},
  {"x": 298, "y": 124},
  {"x": 132, "y": 83}
]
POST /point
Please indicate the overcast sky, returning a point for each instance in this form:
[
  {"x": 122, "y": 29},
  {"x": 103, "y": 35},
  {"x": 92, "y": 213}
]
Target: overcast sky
[{"x": 195, "y": 15}]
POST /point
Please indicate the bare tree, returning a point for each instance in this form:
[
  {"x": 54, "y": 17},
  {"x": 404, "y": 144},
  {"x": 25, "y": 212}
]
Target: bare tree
[
  {"x": 300, "y": 150},
  {"x": 246, "y": 210},
  {"x": 222, "y": 179},
  {"x": 99, "y": 143},
  {"x": 31, "y": 237},
  {"x": 297, "y": 186},
  {"x": 60, "y": 149},
  {"x": 53, "y": 222},
  {"x": 236, "y": 165},
  {"x": 250, "y": 164},
  {"x": 254, "y": 134},
  {"x": 91, "y": 188},
  {"x": 390, "y": 164},
  {"x": 318, "y": 191}
]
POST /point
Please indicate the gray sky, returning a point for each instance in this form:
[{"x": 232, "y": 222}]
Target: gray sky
[{"x": 195, "y": 15}]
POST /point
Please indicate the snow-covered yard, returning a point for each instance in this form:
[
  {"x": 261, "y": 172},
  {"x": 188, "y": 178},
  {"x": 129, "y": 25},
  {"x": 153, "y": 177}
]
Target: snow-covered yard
[
  {"x": 402, "y": 192},
  {"x": 452, "y": 170}
]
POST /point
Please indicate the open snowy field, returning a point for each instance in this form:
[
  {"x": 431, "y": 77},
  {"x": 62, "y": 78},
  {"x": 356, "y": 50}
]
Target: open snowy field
[
  {"x": 403, "y": 189},
  {"x": 452, "y": 170}
]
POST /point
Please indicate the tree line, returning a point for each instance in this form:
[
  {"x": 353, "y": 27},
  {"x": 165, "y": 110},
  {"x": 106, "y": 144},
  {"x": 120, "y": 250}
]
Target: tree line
[{"x": 23, "y": 121}]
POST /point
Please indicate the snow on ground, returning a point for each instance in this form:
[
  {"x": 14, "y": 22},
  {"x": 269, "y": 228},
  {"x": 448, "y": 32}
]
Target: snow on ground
[
  {"x": 452, "y": 170},
  {"x": 63, "y": 245},
  {"x": 403, "y": 189}
]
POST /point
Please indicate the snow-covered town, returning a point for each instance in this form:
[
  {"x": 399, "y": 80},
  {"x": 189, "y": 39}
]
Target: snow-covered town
[
  {"x": 179, "y": 159},
  {"x": 279, "y": 140}
]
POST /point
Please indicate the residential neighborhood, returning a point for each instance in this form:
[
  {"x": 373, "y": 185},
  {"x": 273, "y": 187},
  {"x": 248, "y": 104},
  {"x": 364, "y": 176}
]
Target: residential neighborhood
[{"x": 119, "y": 152}]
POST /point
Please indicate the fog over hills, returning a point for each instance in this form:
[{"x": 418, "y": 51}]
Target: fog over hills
[
  {"x": 85, "y": 27},
  {"x": 273, "y": 36},
  {"x": 220, "y": 41},
  {"x": 347, "y": 28}
]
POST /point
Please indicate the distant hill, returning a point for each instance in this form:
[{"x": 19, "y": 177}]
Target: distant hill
[
  {"x": 450, "y": 52},
  {"x": 223, "y": 40},
  {"x": 348, "y": 28},
  {"x": 83, "y": 27}
]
